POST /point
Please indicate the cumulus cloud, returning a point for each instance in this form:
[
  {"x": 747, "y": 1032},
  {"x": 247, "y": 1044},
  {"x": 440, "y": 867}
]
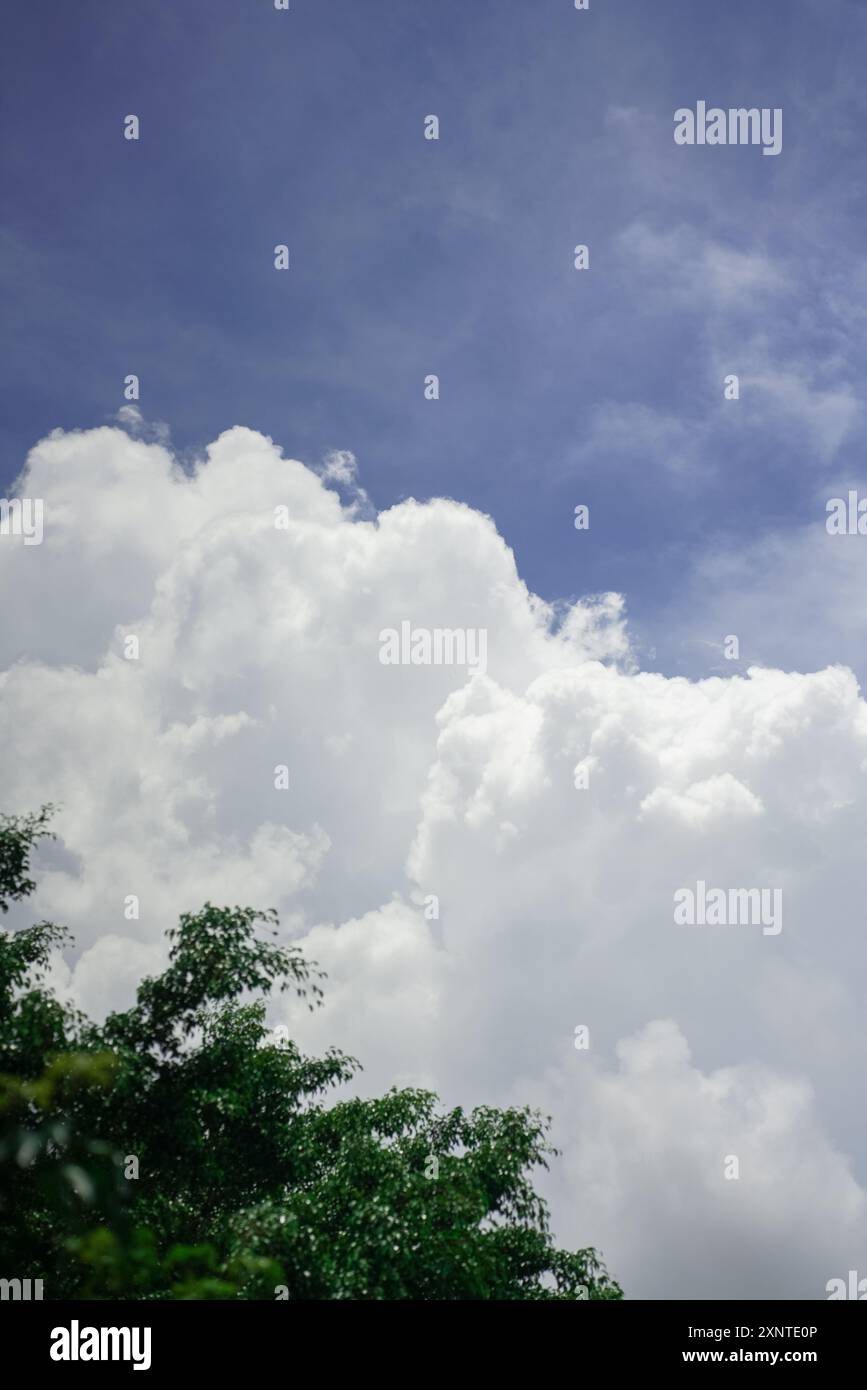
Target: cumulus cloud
[
  {"x": 472, "y": 899},
  {"x": 340, "y": 466},
  {"x": 667, "y": 1214},
  {"x": 137, "y": 425}
]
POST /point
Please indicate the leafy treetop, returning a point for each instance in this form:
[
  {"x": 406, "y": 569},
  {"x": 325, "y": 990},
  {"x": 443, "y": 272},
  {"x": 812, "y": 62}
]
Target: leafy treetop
[{"x": 182, "y": 1149}]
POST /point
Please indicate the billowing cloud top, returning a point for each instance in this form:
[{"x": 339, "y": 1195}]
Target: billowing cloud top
[{"x": 483, "y": 860}]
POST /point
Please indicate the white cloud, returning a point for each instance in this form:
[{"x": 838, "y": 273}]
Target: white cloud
[
  {"x": 132, "y": 419},
  {"x": 704, "y": 804},
  {"x": 648, "y": 1145},
  {"x": 259, "y": 647},
  {"x": 680, "y": 262}
]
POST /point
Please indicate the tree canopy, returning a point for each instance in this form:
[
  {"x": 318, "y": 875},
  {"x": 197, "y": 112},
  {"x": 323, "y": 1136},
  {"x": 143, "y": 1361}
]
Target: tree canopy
[{"x": 182, "y": 1149}]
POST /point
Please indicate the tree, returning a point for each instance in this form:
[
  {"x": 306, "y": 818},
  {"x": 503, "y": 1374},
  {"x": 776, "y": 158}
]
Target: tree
[{"x": 182, "y": 1150}]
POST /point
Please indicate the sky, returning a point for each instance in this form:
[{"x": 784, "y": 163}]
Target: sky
[
  {"x": 454, "y": 257},
  {"x": 606, "y": 647}
]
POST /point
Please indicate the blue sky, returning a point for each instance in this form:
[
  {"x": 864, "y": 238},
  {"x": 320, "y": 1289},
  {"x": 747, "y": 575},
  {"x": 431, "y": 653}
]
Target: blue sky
[{"x": 455, "y": 257}]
